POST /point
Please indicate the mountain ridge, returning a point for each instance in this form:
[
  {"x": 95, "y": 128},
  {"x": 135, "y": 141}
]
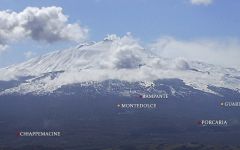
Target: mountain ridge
[{"x": 120, "y": 58}]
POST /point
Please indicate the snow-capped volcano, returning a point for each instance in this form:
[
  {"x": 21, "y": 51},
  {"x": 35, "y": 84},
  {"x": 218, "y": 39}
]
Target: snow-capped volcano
[{"x": 114, "y": 58}]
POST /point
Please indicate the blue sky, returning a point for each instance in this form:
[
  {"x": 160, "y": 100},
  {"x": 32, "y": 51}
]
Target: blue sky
[{"x": 147, "y": 20}]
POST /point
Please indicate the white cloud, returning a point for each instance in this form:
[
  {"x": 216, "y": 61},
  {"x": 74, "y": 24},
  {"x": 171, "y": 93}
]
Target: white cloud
[
  {"x": 126, "y": 52},
  {"x": 225, "y": 52},
  {"x": 29, "y": 54},
  {"x": 201, "y": 2},
  {"x": 3, "y": 48},
  {"x": 47, "y": 24}
]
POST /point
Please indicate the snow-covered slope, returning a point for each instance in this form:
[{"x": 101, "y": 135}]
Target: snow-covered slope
[{"x": 113, "y": 58}]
